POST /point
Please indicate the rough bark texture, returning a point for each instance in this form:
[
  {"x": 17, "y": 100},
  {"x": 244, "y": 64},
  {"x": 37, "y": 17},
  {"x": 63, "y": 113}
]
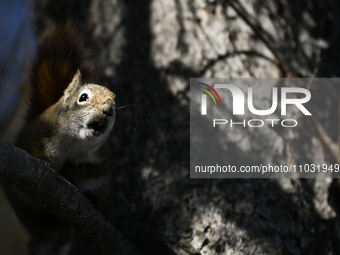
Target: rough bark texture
[{"x": 148, "y": 51}]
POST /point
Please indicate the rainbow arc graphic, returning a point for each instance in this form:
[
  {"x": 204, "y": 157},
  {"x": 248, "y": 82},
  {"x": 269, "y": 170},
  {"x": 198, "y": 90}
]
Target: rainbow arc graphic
[
  {"x": 209, "y": 93},
  {"x": 204, "y": 97}
]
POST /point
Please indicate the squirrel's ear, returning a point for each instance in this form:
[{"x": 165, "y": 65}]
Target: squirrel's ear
[{"x": 73, "y": 86}]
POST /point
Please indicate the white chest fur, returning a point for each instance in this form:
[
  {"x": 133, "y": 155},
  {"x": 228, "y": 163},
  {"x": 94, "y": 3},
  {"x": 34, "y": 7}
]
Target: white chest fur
[{"x": 63, "y": 149}]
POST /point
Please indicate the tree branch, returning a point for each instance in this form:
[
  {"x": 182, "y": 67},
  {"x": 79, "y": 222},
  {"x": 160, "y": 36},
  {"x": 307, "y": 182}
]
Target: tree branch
[
  {"x": 62, "y": 198},
  {"x": 244, "y": 16}
]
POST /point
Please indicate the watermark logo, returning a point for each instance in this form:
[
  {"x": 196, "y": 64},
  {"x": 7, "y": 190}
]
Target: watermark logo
[
  {"x": 302, "y": 96},
  {"x": 263, "y": 127},
  {"x": 204, "y": 97},
  {"x": 239, "y": 101}
]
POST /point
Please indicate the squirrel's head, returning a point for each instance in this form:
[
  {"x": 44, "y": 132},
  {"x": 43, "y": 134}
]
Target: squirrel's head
[{"x": 89, "y": 109}]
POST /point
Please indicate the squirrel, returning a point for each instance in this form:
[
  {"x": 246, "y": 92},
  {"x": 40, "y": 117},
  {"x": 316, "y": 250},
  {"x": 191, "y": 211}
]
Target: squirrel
[{"x": 67, "y": 127}]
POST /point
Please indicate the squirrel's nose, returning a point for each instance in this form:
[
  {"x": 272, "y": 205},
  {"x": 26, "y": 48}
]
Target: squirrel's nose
[{"x": 108, "y": 111}]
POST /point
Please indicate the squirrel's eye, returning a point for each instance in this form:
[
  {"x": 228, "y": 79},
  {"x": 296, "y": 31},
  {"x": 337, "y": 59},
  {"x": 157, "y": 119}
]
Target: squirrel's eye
[{"x": 83, "y": 97}]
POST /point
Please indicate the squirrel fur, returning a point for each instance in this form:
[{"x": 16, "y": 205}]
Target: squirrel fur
[{"x": 68, "y": 125}]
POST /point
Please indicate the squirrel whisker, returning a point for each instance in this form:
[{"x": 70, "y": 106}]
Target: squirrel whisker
[
  {"x": 126, "y": 122},
  {"x": 131, "y": 105}
]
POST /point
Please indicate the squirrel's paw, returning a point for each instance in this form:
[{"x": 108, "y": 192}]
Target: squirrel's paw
[{"x": 46, "y": 163}]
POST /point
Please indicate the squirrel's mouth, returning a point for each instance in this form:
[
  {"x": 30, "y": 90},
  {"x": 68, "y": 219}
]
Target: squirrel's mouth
[{"x": 97, "y": 127}]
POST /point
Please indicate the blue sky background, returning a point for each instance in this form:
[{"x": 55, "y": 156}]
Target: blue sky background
[{"x": 16, "y": 45}]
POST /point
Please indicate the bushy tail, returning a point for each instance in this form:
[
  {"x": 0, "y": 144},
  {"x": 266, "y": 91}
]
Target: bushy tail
[{"x": 60, "y": 53}]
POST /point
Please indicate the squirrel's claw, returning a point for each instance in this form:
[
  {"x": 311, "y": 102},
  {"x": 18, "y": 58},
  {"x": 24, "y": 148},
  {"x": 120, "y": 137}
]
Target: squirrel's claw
[{"x": 46, "y": 163}]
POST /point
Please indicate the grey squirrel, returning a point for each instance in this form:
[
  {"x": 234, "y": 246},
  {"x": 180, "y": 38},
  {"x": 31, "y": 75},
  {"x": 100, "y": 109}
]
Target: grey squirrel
[{"x": 68, "y": 125}]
